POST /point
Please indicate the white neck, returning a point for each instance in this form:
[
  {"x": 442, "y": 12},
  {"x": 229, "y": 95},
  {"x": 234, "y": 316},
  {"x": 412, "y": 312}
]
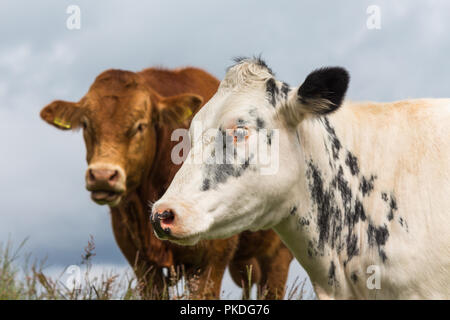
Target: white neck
[
  {"x": 365, "y": 197},
  {"x": 325, "y": 227}
]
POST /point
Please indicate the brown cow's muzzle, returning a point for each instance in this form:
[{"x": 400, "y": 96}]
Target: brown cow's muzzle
[{"x": 106, "y": 182}]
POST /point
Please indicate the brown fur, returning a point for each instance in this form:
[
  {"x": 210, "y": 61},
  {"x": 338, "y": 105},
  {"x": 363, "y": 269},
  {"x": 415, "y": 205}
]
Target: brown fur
[{"x": 158, "y": 98}]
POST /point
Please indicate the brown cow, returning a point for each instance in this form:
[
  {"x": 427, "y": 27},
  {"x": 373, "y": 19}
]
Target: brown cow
[{"x": 127, "y": 120}]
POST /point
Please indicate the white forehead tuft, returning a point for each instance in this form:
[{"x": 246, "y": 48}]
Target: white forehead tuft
[
  {"x": 238, "y": 91},
  {"x": 246, "y": 72}
]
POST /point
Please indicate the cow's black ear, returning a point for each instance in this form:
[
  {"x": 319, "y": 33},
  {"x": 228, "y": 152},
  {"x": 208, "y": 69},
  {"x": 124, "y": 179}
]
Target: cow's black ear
[{"x": 323, "y": 90}]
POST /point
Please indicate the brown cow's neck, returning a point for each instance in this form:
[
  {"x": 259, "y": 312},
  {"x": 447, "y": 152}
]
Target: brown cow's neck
[{"x": 134, "y": 209}]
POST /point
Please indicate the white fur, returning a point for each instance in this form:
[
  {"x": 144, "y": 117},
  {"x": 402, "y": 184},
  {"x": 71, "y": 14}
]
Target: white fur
[{"x": 405, "y": 144}]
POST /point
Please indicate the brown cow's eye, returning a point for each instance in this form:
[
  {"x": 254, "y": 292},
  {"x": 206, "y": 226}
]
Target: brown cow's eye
[
  {"x": 84, "y": 125},
  {"x": 138, "y": 129}
]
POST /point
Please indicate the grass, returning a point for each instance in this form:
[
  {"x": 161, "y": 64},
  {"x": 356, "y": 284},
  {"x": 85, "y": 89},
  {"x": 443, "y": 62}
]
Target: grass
[
  {"x": 29, "y": 282},
  {"x": 22, "y": 278}
]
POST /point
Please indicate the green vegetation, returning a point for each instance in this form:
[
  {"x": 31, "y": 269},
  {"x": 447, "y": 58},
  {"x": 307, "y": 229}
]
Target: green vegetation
[{"x": 29, "y": 282}]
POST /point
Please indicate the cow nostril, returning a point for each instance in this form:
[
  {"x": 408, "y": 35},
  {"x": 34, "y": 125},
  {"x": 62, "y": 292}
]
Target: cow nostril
[
  {"x": 166, "y": 218},
  {"x": 114, "y": 176},
  {"x": 91, "y": 175},
  {"x": 163, "y": 222}
]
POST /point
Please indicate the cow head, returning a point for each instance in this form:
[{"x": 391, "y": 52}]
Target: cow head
[
  {"x": 216, "y": 199},
  {"x": 118, "y": 116}
]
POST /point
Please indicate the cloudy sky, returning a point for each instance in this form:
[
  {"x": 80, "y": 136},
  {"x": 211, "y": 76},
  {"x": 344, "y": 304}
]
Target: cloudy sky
[{"x": 41, "y": 169}]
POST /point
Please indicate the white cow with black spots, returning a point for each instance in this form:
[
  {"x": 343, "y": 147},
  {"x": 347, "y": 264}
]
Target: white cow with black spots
[{"x": 362, "y": 191}]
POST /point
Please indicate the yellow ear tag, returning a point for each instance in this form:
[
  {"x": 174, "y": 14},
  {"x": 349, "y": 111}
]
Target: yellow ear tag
[
  {"x": 187, "y": 114},
  {"x": 61, "y": 123}
]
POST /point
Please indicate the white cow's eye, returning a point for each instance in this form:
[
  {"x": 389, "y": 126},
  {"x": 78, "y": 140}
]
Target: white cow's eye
[{"x": 240, "y": 134}]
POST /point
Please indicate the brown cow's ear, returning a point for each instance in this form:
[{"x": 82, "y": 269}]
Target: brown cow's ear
[
  {"x": 177, "y": 109},
  {"x": 62, "y": 114}
]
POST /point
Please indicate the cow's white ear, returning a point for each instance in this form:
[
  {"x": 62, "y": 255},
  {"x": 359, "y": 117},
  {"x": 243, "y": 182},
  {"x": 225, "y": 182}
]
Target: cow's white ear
[{"x": 322, "y": 92}]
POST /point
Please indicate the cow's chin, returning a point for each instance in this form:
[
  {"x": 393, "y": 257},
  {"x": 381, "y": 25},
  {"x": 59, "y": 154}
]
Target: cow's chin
[
  {"x": 190, "y": 241},
  {"x": 187, "y": 241},
  {"x": 109, "y": 198}
]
